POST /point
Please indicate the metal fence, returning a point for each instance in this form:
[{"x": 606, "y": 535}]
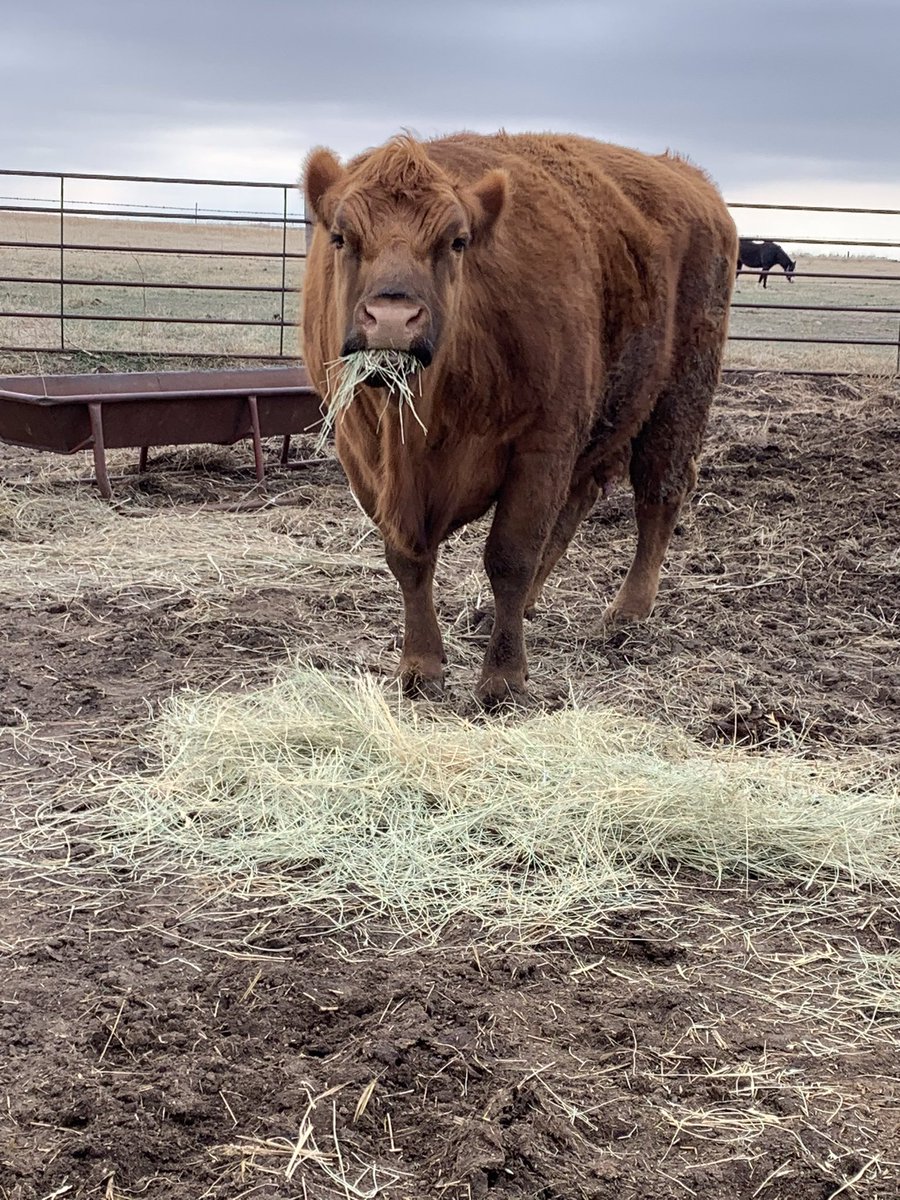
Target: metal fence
[
  {"x": 162, "y": 265},
  {"x": 55, "y": 257},
  {"x": 886, "y": 338}
]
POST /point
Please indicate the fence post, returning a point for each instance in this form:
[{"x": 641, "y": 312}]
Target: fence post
[
  {"x": 62, "y": 263},
  {"x": 284, "y": 225},
  {"x": 897, "y": 368}
]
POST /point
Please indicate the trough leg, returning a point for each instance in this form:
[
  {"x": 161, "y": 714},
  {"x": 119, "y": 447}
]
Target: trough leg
[
  {"x": 142, "y": 460},
  {"x": 257, "y": 440},
  {"x": 95, "y": 412},
  {"x": 285, "y": 449}
]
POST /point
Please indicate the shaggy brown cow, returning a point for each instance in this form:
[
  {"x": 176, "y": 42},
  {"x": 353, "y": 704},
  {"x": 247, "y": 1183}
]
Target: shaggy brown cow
[{"x": 568, "y": 303}]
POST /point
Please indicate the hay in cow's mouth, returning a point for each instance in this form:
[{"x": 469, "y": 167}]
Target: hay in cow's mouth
[{"x": 390, "y": 369}]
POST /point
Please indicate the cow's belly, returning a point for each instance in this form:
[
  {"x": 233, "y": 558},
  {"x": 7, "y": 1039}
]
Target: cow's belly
[
  {"x": 474, "y": 507},
  {"x": 454, "y": 490}
]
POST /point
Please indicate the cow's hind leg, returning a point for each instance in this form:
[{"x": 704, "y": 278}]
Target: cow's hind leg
[
  {"x": 663, "y": 473},
  {"x": 581, "y": 500},
  {"x": 421, "y": 669}
]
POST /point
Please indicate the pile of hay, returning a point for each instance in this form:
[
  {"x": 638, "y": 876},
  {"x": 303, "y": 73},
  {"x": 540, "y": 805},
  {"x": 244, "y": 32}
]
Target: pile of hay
[
  {"x": 347, "y": 801},
  {"x": 66, "y": 546}
]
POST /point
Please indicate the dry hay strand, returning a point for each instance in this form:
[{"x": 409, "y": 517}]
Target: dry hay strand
[
  {"x": 344, "y": 376},
  {"x": 70, "y": 546},
  {"x": 340, "y": 1171},
  {"x": 334, "y": 796}
]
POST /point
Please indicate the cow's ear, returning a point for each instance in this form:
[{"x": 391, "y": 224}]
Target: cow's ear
[
  {"x": 321, "y": 172},
  {"x": 489, "y": 196}
]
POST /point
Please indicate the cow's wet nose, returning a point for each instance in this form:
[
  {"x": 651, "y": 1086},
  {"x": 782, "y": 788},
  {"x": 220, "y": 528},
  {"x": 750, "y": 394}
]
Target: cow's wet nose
[{"x": 392, "y": 324}]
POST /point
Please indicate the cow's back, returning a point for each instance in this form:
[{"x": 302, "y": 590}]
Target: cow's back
[
  {"x": 618, "y": 236},
  {"x": 603, "y": 189}
]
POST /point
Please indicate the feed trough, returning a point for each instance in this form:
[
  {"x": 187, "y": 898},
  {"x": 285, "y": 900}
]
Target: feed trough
[{"x": 67, "y": 413}]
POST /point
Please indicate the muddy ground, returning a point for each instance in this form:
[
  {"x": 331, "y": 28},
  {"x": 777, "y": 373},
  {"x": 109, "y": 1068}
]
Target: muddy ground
[{"x": 163, "y": 1040}]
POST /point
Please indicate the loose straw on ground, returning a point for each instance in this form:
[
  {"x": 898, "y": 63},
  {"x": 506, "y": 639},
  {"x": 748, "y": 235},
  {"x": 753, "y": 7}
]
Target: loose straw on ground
[{"x": 348, "y": 801}]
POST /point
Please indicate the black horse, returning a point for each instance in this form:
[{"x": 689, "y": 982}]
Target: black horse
[{"x": 764, "y": 255}]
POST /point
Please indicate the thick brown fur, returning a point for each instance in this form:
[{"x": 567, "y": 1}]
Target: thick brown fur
[{"x": 578, "y": 337}]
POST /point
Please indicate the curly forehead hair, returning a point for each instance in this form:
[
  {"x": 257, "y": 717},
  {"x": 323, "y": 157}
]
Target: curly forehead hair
[{"x": 401, "y": 167}]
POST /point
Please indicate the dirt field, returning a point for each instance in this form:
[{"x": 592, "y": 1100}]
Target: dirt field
[
  {"x": 84, "y": 302},
  {"x": 737, "y": 1040}
]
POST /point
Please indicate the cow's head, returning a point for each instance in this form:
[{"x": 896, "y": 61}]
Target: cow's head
[
  {"x": 789, "y": 268},
  {"x": 399, "y": 229}
]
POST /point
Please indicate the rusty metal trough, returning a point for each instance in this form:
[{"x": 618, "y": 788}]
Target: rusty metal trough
[{"x": 67, "y": 413}]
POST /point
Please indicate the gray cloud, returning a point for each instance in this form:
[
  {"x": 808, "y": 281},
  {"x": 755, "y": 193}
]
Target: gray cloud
[{"x": 752, "y": 91}]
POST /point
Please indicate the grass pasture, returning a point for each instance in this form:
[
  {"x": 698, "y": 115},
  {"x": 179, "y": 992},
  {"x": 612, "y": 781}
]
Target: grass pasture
[
  {"x": 130, "y": 266},
  {"x": 86, "y": 303},
  {"x": 846, "y": 293},
  {"x": 266, "y": 931}
]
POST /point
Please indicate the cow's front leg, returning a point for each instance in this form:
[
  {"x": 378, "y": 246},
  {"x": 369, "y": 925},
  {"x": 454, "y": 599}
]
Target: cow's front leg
[
  {"x": 421, "y": 669},
  {"x": 526, "y": 511}
]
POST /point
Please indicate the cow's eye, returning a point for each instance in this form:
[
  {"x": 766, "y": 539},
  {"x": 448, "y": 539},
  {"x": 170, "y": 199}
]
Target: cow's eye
[
  {"x": 337, "y": 240},
  {"x": 459, "y": 244}
]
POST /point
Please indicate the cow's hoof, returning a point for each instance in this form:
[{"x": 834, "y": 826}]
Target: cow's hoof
[
  {"x": 503, "y": 691},
  {"x": 421, "y": 682},
  {"x": 533, "y": 605},
  {"x": 619, "y": 614}
]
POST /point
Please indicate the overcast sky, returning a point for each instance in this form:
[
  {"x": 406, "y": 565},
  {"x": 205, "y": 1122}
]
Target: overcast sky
[{"x": 790, "y": 100}]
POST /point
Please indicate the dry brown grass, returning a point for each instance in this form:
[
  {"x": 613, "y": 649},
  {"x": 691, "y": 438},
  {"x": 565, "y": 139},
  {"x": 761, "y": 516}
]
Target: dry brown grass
[
  {"x": 132, "y": 266},
  {"x": 342, "y": 800},
  {"x": 149, "y": 269},
  {"x": 57, "y": 543},
  {"x": 884, "y": 293}
]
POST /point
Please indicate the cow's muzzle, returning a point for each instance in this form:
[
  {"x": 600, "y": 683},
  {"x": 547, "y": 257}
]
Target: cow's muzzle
[{"x": 392, "y": 321}]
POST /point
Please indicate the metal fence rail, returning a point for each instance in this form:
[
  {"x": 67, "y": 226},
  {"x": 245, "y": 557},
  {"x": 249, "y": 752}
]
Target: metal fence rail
[
  {"x": 69, "y": 250},
  {"x": 63, "y": 269}
]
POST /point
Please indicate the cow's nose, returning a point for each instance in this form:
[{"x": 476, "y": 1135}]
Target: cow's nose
[{"x": 392, "y": 324}]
